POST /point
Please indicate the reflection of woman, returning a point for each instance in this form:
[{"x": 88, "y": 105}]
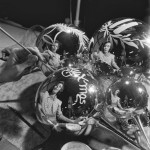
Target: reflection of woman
[
  {"x": 115, "y": 106},
  {"x": 105, "y": 56},
  {"x": 115, "y": 100},
  {"x": 48, "y": 111},
  {"x": 49, "y": 108},
  {"x": 53, "y": 58}
]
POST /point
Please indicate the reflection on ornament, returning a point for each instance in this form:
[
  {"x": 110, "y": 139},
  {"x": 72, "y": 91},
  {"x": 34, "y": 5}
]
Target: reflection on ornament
[
  {"x": 128, "y": 37},
  {"x": 127, "y": 94},
  {"x": 92, "y": 89},
  {"x": 147, "y": 74},
  {"x": 70, "y": 38},
  {"x": 127, "y": 101},
  {"x": 79, "y": 94}
]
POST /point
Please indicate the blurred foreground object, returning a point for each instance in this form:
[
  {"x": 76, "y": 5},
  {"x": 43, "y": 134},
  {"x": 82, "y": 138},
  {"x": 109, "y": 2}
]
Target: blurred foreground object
[{"x": 127, "y": 101}]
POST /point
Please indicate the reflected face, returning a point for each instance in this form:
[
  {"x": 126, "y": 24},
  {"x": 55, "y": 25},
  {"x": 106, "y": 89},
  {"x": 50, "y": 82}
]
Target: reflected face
[
  {"x": 107, "y": 47},
  {"x": 117, "y": 92},
  {"x": 55, "y": 47},
  {"x": 57, "y": 88}
]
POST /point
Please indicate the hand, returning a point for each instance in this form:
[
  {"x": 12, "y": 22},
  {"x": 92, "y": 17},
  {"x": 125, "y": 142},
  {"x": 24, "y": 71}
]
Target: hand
[
  {"x": 47, "y": 55},
  {"x": 87, "y": 126},
  {"x": 35, "y": 51},
  {"x": 82, "y": 123},
  {"x": 5, "y": 53},
  {"x": 17, "y": 60},
  {"x": 88, "y": 121},
  {"x": 58, "y": 127},
  {"x": 79, "y": 119},
  {"x": 20, "y": 53}
]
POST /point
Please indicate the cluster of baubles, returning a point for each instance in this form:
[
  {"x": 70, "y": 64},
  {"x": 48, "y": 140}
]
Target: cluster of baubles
[{"x": 127, "y": 96}]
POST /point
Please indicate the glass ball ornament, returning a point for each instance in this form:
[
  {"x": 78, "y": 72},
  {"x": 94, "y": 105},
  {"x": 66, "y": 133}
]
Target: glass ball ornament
[
  {"x": 128, "y": 72},
  {"x": 79, "y": 93},
  {"x": 130, "y": 41},
  {"x": 70, "y": 38},
  {"x": 126, "y": 97}
]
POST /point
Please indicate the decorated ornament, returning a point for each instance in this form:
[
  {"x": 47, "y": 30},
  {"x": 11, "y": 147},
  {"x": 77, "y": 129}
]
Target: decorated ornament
[
  {"x": 127, "y": 101},
  {"x": 130, "y": 39},
  {"x": 70, "y": 38},
  {"x": 127, "y": 94},
  {"x": 79, "y": 94}
]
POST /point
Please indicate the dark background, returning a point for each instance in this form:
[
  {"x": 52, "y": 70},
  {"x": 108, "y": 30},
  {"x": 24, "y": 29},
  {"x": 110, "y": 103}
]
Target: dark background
[{"x": 93, "y": 13}]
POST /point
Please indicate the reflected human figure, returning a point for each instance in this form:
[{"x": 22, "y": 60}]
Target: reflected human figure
[
  {"x": 51, "y": 55},
  {"x": 48, "y": 111},
  {"x": 115, "y": 100},
  {"x": 115, "y": 106},
  {"x": 49, "y": 108},
  {"x": 105, "y": 55},
  {"x": 51, "y": 59}
]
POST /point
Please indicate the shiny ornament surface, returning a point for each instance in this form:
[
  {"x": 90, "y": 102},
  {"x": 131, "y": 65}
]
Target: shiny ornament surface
[
  {"x": 102, "y": 68},
  {"x": 127, "y": 97},
  {"x": 130, "y": 39},
  {"x": 127, "y": 101},
  {"x": 70, "y": 38},
  {"x": 79, "y": 94},
  {"x": 128, "y": 72}
]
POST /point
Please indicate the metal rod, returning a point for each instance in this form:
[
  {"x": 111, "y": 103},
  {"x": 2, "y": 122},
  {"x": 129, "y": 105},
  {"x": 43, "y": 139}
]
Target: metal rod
[
  {"x": 77, "y": 13},
  {"x": 22, "y": 46},
  {"x": 138, "y": 121},
  {"x": 119, "y": 133},
  {"x": 14, "y": 39},
  {"x": 71, "y": 11}
]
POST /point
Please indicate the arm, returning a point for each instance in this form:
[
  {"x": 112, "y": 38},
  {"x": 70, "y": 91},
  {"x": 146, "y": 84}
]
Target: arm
[
  {"x": 119, "y": 105},
  {"x": 43, "y": 59},
  {"x": 45, "y": 68},
  {"x": 40, "y": 114},
  {"x": 94, "y": 56},
  {"x": 62, "y": 117},
  {"x": 43, "y": 95},
  {"x": 48, "y": 54},
  {"x": 114, "y": 63}
]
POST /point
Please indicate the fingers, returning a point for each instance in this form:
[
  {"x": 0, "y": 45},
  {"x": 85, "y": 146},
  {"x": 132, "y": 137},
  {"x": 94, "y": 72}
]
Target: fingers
[
  {"x": 57, "y": 127},
  {"x": 7, "y": 50},
  {"x": 82, "y": 123},
  {"x": 5, "y": 53},
  {"x": 35, "y": 51},
  {"x": 46, "y": 57}
]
